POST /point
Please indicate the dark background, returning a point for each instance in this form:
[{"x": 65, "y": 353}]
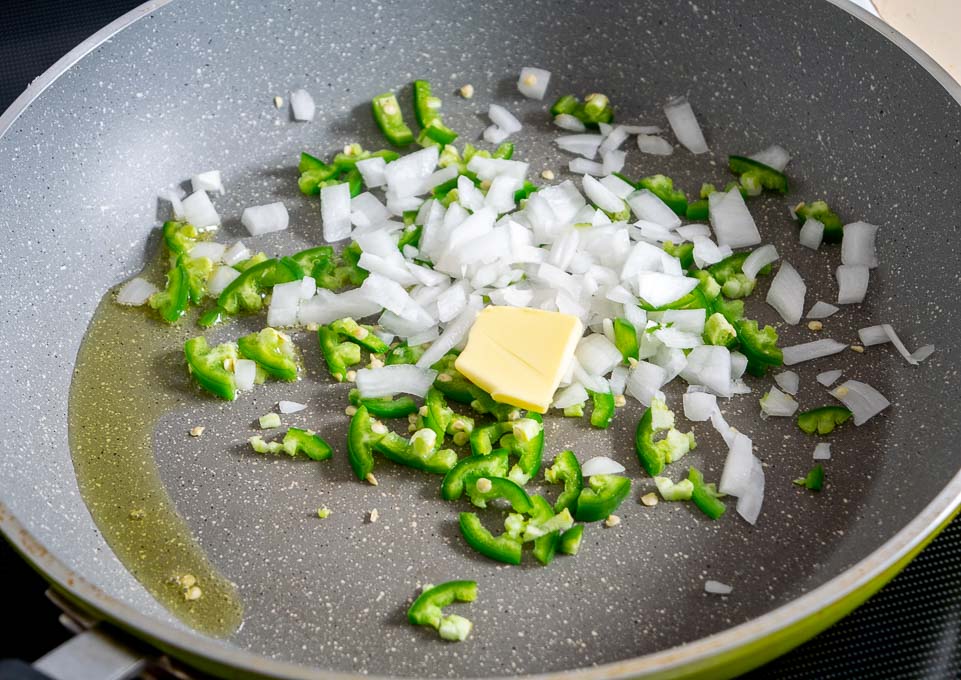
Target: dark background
[{"x": 911, "y": 629}]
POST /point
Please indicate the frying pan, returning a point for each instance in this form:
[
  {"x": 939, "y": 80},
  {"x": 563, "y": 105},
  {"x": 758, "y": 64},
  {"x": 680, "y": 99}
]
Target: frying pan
[{"x": 174, "y": 89}]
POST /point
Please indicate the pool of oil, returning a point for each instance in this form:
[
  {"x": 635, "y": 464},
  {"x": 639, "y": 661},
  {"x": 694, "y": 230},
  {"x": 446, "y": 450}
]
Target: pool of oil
[{"x": 121, "y": 387}]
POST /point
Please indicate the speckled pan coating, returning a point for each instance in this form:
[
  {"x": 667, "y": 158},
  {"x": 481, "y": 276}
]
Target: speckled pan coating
[{"x": 190, "y": 87}]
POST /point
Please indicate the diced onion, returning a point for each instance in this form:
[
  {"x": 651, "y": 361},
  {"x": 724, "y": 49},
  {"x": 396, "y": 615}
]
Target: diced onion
[
  {"x": 245, "y": 374},
  {"x": 373, "y": 171},
  {"x": 807, "y": 351},
  {"x": 864, "y": 401},
  {"x": 822, "y": 310},
  {"x": 647, "y": 206},
  {"x": 812, "y": 233},
  {"x": 263, "y": 219},
  {"x": 822, "y": 451},
  {"x": 786, "y": 293},
  {"x": 777, "y": 403},
  {"x": 645, "y": 381},
  {"x": 211, "y": 250},
  {"x": 758, "y": 259},
  {"x": 504, "y": 119},
  {"x": 583, "y": 166},
  {"x": 207, "y": 181},
  {"x": 698, "y": 406},
  {"x": 873, "y": 335},
  {"x": 583, "y": 145},
  {"x": 220, "y": 279},
  {"x": 601, "y": 465},
  {"x": 570, "y": 395},
  {"x": 566, "y": 121},
  {"x": 685, "y": 126},
  {"x": 597, "y": 355},
  {"x": 453, "y": 334},
  {"x": 613, "y": 141},
  {"x": 710, "y": 365},
  {"x": 135, "y": 292},
  {"x": 532, "y": 82},
  {"x": 912, "y": 358},
  {"x": 199, "y": 211},
  {"x": 652, "y": 144},
  {"x": 828, "y": 378},
  {"x": 617, "y": 186},
  {"x": 601, "y": 196},
  {"x": 613, "y": 161},
  {"x": 495, "y": 135},
  {"x": 788, "y": 381},
  {"x": 290, "y": 406},
  {"x": 773, "y": 157},
  {"x": 302, "y": 105},
  {"x": 717, "y": 588},
  {"x": 731, "y": 220},
  {"x": 857, "y": 245},
  {"x": 660, "y": 289},
  {"x": 335, "y": 211},
  {"x": 387, "y": 381},
  {"x": 852, "y": 283}
]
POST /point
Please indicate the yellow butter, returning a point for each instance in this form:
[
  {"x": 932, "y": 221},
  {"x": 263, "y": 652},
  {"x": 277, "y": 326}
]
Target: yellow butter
[{"x": 519, "y": 355}]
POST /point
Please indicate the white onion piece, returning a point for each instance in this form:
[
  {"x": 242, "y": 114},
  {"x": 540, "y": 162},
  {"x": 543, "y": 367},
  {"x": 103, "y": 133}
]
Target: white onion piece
[
  {"x": 284, "y": 304},
  {"x": 199, "y": 211},
  {"x": 405, "y": 176},
  {"x": 688, "y": 320},
  {"x": 727, "y": 432},
  {"x": 489, "y": 168},
  {"x": 245, "y": 374},
  {"x": 455, "y": 332},
  {"x": 822, "y": 451},
  {"x": 373, "y": 171},
  {"x": 864, "y": 401},
  {"x": 566, "y": 121},
  {"x": 594, "y": 383},
  {"x": 647, "y": 206},
  {"x": 290, "y": 406},
  {"x": 391, "y": 296},
  {"x": 450, "y": 303},
  {"x": 601, "y": 465},
  {"x": 570, "y": 395},
  {"x": 923, "y": 352},
  {"x": 822, "y": 310},
  {"x": 642, "y": 230},
  {"x": 740, "y": 387},
  {"x": 706, "y": 252},
  {"x": 326, "y": 307},
  {"x": 212, "y": 250},
  {"x": 758, "y": 259},
  {"x": 423, "y": 337},
  {"x": 504, "y": 119},
  {"x": 394, "y": 269},
  {"x": 786, "y": 293},
  {"x": 689, "y": 232},
  {"x": 174, "y": 196},
  {"x": 643, "y": 129},
  {"x": 773, "y": 157},
  {"x": 660, "y": 289},
  {"x": 812, "y": 233},
  {"x": 873, "y": 335},
  {"x": 645, "y": 381},
  {"x": 635, "y": 315},
  {"x": 500, "y": 195},
  {"x": 583, "y": 166},
  {"x": 685, "y": 126},
  {"x": 137, "y": 291},
  {"x": 731, "y": 220},
  {"x": 583, "y": 145},
  {"x": 777, "y": 403},
  {"x": 828, "y": 378},
  {"x": 302, "y": 105},
  {"x": 237, "y": 252},
  {"x": 207, "y": 181},
  {"x": 677, "y": 339},
  {"x": 495, "y": 135},
  {"x": 698, "y": 406},
  {"x": 618, "y": 379},
  {"x": 717, "y": 588},
  {"x": 264, "y": 219},
  {"x": 749, "y": 504},
  {"x": 601, "y": 196},
  {"x": 366, "y": 210},
  {"x": 220, "y": 279},
  {"x": 652, "y": 144},
  {"x": 613, "y": 161},
  {"x": 738, "y": 365},
  {"x": 613, "y": 141},
  {"x": 857, "y": 245},
  {"x": 736, "y": 476},
  {"x": 387, "y": 381},
  {"x": 532, "y": 82},
  {"x": 710, "y": 365},
  {"x": 617, "y": 186},
  {"x": 788, "y": 381},
  {"x": 852, "y": 283},
  {"x": 335, "y": 211},
  {"x": 597, "y": 355},
  {"x": 807, "y": 351},
  {"x": 902, "y": 350}
]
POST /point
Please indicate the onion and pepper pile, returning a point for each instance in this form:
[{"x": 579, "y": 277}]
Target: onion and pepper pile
[{"x": 418, "y": 243}]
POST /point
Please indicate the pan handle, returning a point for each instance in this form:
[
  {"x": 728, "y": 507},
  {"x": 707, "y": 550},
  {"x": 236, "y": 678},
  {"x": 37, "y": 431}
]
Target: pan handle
[{"x": 92, "y": 655}]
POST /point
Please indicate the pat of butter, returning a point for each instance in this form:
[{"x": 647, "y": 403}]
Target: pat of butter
[{"x": 519, "y": 355}]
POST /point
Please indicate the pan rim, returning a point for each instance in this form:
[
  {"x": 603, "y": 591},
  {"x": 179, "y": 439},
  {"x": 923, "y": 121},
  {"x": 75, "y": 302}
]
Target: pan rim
[{"x": 693, "y": 657}]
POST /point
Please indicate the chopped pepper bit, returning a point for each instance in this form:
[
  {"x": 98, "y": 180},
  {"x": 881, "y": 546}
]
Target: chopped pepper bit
[
  {"x": 427, "y": 609},
  {"x": 814, "y": 479},
  {"x": 823, "y": 419},
  {"x": 269, "y": 421},
  {"x": 323, "y": 512}
]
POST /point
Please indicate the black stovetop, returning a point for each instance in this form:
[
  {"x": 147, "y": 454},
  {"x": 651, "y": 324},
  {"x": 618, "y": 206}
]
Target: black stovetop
[{"x": 911, "y": 629}]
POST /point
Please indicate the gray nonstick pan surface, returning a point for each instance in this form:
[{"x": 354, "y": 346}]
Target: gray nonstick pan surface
[{"x": 874, "y": 128}]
